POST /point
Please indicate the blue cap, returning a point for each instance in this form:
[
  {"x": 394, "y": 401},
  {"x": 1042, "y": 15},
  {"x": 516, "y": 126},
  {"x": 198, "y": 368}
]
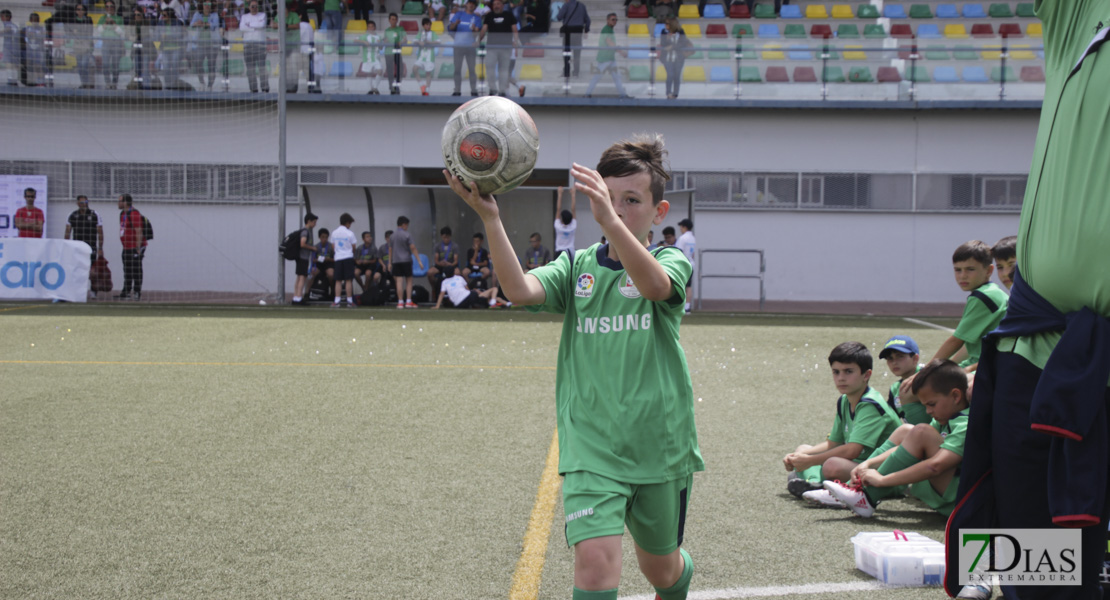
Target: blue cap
[{"x": 900, "y": 343}]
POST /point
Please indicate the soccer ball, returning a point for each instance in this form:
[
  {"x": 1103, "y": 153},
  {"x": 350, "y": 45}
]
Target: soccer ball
[{"x": 491, "y": 141}]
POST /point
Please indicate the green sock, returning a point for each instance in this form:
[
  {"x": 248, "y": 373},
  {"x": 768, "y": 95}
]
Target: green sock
[
  {"x": 681, "y": 587},
  {"x": 812, "y": 474},
  {"x": 887, "y": 445},
  {"x": 901, "y": 459},
  {"x": 595, "y": 595}
]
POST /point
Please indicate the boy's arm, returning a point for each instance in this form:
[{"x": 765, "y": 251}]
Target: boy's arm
[
  {"x": 412, "y": 249},
  {"x": 573, "y": 211},
  {"x": 439, "y": 300},
  {"x": 850, "y": 451},
  {"x": 558, "y": 201},
  {"x": 948, "y": 348},
  {"x": 651, "y": 280},
  {"x": 519, "y": 288},
  {"x": 940, "y": 462}
]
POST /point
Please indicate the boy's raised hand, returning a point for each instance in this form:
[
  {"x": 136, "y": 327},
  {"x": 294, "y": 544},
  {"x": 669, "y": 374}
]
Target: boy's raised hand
[
  {"x": 485, "y": 206},
  {"x": 593, "y": 185}
]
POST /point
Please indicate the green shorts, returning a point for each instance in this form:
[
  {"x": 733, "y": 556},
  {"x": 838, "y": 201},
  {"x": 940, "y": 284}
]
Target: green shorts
[
  {"x": 942, "y": 503},
  {"x": 597, "y": 506}
]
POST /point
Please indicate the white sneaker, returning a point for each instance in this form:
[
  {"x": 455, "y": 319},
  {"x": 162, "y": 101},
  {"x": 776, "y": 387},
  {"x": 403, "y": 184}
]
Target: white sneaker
[
  {"x": 976, "y": 592},
  {"x": 822, "y": 499},
  {"x": 852, "y": 497}
]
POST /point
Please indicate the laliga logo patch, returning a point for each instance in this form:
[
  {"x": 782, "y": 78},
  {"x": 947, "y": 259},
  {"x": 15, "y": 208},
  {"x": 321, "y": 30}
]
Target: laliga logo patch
[
  {"x": 628, "y": 289},
  {"x": 585, "y": 286}
]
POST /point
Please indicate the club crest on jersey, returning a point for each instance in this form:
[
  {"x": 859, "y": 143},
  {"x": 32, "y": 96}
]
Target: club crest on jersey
[
  {"x": 585, "y": 286},
  {"x": 628, "y": 289}
]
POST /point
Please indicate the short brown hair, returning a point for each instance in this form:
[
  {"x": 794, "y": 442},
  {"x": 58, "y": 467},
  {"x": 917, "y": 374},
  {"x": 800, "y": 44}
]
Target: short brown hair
[
  {"x": 644, "y": 153},
  {"x": 973, "y": 250},
  {"x": 1005, "y": 248},
  {"x": 942, "y": 376}
]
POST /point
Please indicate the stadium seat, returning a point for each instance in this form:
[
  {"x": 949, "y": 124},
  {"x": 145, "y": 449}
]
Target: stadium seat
[
  {"x": 792, "y": 11},
  {"x": 637, "y": 11},
  {"x": 928, "y": 31},
  {"x": 936, "y": 53},
  {"x": 992, "y": 53},
  {"x": 1025, "y": 10},
  {"x": 907, "y": 52},
  {"x": 778, "y": 74},
  {"x": 341, "y": 68},
  {"x": 1022, "y": 53},
  {"x": 693, "y": 30},
  {"x": 446, "y": 52},
  {"x": 719, "y": 52},
  {"x": 973, "y": 10},
  {"x": 751, "y": 74},
  {"x": 660, "y": 73},
  {"x": 349, "y": 49},
  {"x": 446, "y": 71},
  {"x": 821, "y": 31},
  {"x": 860, "y": 75},
  {"x": 1009, "y": 30},
  {"x": 901, "y": 30},
  {"x": 847, "y": 31},
  {"x": 833, "y": 74},
  {"x": 975, "y": 74},
  {"x": 799, "y": 53},
  {"x": 998, "y": 73},
  {"x": 945, "y": 75},
  {"x": 982, "y": 30},
  {"x": 889, "y": 75},
  {"x": 867, "y": 11},
  {"x": 764, "y": 11},
  {"x": 658, "y": 30},
  {"x": 410, "y": 26},
  {"x": 739, "y": 11},
  {"x": 555, "y": 8},
  {"x": 1000, "y": 10},
  {"x": 742, "y": 30},
  {"x": 842, "y": 11},
  {"x": 955, "y": 31},
  {"x": 918, "y": 74},
  {"x": 773, "y": 52},
  {"x": 412, "y": 8},
  {"x": 794, "y": 31},
  {"x": 1034, "y": 30},
  {"x": 723, "y": 74},
  {"x": 637, "y": 52},
  {"x": 715, "y": 30},
  {"x": 638, "y": 30},
  {"x": 437, "y": 26},
  {"x": 813, "y": 11},
  {"x": 854, "y": 52},
  {"x": 356, "y": 26},
  {"x": 805, "y": 75},
  {"x": 688, "y": 11},
  {"x": 639, "y": 73},
  {"x": 894, "y": 11},
  {"x": 714, "y": 11},
  {"x": 965, "y": 53},
  {"x": 1032, "y": 74},
  {"x": 947, "y": 11},
  {"x": 920, "y": 11},
  {"x": 534, "y": 51},
  {"x": 769, "y": 31},
  {"x": 531, "y": 72},
  {"x": 697, "y": 55},
  {"x": 874, "y": 31}
]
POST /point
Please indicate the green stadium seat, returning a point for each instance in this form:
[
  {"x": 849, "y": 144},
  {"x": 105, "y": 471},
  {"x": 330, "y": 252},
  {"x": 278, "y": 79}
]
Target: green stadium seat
[
  {"x": 1025, "y": 10},
  {"x": 847, "y": 31},
  {"x": 697, "y": 55},
  {"x": 236, "y": 67},
  {"x": 997, "y": 74},
  {"x": 639, "y": 73},
  {"x": 348, "y": 49},
  {"x": 742, "y": 30},
  {"x": 720, "y": 52},
  {"x": 936, "y": 53},
  {"x": 795, "y": 31},
  {"x": 920, "y": 11},
  {"x": 446, "y": 71},
  {"x": 867, "y": 11},
  {"x": 919, "y": 74},
  {"x": 834, "y": 74},
  {"x": 874, "y": 31},
  {"x": 860, "y": 75},
  {"x": 965, "y": 53},
  {"x": 764, "y": 11},
  {"x": 1000, "y": 10},
  {"x": 750, "y": 75},
  {"x": 412, "y": 8}
]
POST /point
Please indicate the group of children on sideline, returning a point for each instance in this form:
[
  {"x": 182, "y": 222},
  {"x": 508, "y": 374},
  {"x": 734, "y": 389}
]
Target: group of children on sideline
[{"x": 913, "y": 439}]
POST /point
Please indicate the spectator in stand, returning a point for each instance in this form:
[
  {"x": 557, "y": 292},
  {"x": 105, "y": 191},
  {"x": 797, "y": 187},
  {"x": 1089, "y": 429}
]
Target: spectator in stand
[
  {"x": 566, "y": 223},
  {"x": 576, "y": 23},
  {"x": 425, "y": 64},
  {"x": 778, "y": 5},
  {"x": 253, "y": 26},
  {"x": 537, "y": 19},
  {"x": 368, "y": 269},
  {"x": 110, "y": 31},
  {"x": 205, "y": 44},
  {"x": 463, "y": 25},
  {"x": 179, "y": 10},
  {"x": 402, "y": 253},
  {"x": 317, "y": 7},
  {"x": 674, "y": 48},
  {"x": 304, "y": 261},
  {"x": 80, "y": 34},
  {"x": 333, "y": 20},
  {"x": 33, "y": 71},
  {"x": 607, "y": 58},
  {"x": 362, "y": 9},
  {"x": 536, "y": 255},
  {"x": 445, "y": 259},
  {"x": 9, "y": 32},
  {"x": 84, "y": 225},
  {"x": 133, "y": 240},
  {"x": 29, "y": 219},
  {"x": 394, "y": 38},
  {"x": 343, "y": 244},
  {"x": 668, "y": 236},
  {"x": 372, "y": 62},
  {"x": 689, "y": 247},
  {"x": 477, "y": 260},
  {"x": 663, "y": 10},
  {"x": 172, "y": 33},
  {"x": 500, "y": 26},
  {"x": 435, "y": 9}
]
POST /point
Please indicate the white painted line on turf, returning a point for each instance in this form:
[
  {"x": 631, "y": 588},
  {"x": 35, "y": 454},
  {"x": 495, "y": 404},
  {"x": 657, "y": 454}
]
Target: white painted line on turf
[
  {"x": 928, "y": 324},
  {"x": 776, "y": 590}
]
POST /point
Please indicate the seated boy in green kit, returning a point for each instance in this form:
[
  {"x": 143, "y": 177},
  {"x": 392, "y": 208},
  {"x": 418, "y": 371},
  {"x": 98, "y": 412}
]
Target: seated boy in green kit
[
  {"x": 924, "y": 457},
  {"x": 863, "y": 421},
  {"x": 1004, "y": 253},
  {"x": 902, "y": 355}
]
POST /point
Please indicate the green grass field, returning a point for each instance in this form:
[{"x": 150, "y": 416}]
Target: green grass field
[{"x": 197, "y": 452}]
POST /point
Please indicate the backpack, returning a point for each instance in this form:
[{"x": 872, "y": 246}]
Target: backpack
[
  {"x": 290, "y": 248},
  {"x": 100, "y": 275},
  {"x": 375, "y": 295},
  {"x": 148, "y": 229}
]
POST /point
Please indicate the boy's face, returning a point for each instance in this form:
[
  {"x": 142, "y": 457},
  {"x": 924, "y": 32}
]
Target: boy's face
[
  {"x": 970, "y": 274},
  {"x": 849, "y": 378},
  {"x": 371, "y": 26},
  {"x": 446, "y": 238},
  {"x": 668, "y": 239},
  {"x": 323, "y": 238},
  {"x": 631, "y": 199},
  {"x": 477, "y": 242},
  {"x": 392, "y": 21},
  {"x": 941, "y": 407},
  {"x": 367, "y": 238},
  {"x": 535, "y": 243},
  {"x": 902, "y": 364},
  {"x": 1005, "y": 268}
]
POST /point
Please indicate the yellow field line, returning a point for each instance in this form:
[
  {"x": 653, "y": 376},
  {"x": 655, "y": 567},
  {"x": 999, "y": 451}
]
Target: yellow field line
[
  {"x": 263, "y": 364},
  {"x": 23, "y": 307},
  {"x": 529, "y": 569}
]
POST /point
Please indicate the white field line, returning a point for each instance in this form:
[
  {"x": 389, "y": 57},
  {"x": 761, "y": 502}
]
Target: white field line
[
  {"x": 777, "y": 590},
  {"x": 928, "y": 324}
]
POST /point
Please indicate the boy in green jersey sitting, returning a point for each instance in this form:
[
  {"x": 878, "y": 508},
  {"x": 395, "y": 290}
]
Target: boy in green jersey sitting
[
  {"x": 924, "y": 457},
  {"x": 863, "y": 421},
  {"x": 902, "y": 355},
  {"x": 628, "y": 446}
]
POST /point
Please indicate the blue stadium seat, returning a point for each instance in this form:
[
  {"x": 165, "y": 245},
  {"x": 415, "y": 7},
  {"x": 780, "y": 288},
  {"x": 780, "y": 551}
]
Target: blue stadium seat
[
  {"x": 638, "y": 52},
  {"x": 945, "y": 75},
  {"x": 721, "y": 73},
  {"x": 769, "y": 31},
  {"x": 947, "y": 11},
  {"x": 974, "y": 11},
  {"x": 341, "y": 68},
  {"x": 975, "y": 75},
  {"x": 446, "y": 51},
  {"x": 714, "y": 11},
  {"x": 659, "y": 27},
  {"x": 894, "y": 11},
  {"x": 790, "y": 11},
  {"x": 799, "y": 53},
  {"x": 928, "y": 31}
]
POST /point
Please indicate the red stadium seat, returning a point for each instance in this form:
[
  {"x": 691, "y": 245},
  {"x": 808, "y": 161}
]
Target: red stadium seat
[
  {"x": 777, "y": 75},
  {"x": 1032, "y": 74},
  {"x": 739, "y": 11},
  {"x": 637, "y": 12},
  {"x": 901, "y": 30},
  {"x": 1009, "y": 30},
  {"x": 982, "y": 30},
  {"x": 410, "y": 26},
  {"x": 907, "y": 52},
  {"x": 805, "y": 75},
  {"x": 531, "y": 51},
  {"x": 820, "y": 31},
  {"x": 716, "y": 30},
  {"x": 889, "y": 75}
]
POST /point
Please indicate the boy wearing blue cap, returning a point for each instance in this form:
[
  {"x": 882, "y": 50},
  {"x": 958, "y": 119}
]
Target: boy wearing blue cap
[{"x": 903, "y": 357}]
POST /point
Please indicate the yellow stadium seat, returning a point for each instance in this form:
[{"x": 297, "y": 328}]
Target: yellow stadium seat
[
  {"x": 693, "y": 73},
  {"x": 660, "y": 73},
  {"x": 842, "y": 11},
  {"x": 955, "y": 31},
  {"x": 638, "y": 30},
  {"x": 406, "y": 51},
  {"x": 688, "y": 11},
  {"x": 991, "y": 53},
  {"x": 313, "y": 23},
  {"x": 693, "y": 30},
  {"x": 480, "y": 70},
  {"x": 773, "y": 52},
  {"x": 237, "y": 48},
  {"x": 437, "y": 26},
  {"x": 1035, "y": 30},
  {"x": 356, "y": 25},
  {"x": 43, "y": 16},
  {"x": 854, "y": 52},
  {"x": 531, "y": 73},
  {"x": 817, "y": 11},
  {"x": 1022, "y": 52}
]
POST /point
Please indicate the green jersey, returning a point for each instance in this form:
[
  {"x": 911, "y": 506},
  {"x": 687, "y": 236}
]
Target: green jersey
[
  {"x": 912, "y": 413},
  {"x": 110, "y": 27},
  {"x": 623, "y": 399},
  {"x": 952, "y": 433},
  {"x": 394, "y": 36},
  {"x": 869, "y": 425},
  {"x": 983, "y": 312},
  {"x": 607, "y": 41},
  {"x": 1061, "y": 239}
]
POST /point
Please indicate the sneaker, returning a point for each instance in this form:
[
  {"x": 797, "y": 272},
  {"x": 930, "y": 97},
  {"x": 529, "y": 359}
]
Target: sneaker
[
  {"x": 122, "y": 296},
  {"x": 410, "y": 304},
  {"x": 456, "y": 93},
  {"x": 400, "y": 305},
  {"x": 822, "y": 499},
  {"x": 976, "y": 592},
  {"x": 138, "y": 296},
  {"x": 423, "y": 90},
  {"x": 521, "y": 91},
  {"x": 335, "y": 305},
  {"x": 799, "y": 486},
  {"x": 852, "y": 497}
]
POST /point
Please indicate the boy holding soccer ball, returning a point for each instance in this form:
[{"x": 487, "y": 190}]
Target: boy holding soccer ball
[{"x": 619, "y": 355}]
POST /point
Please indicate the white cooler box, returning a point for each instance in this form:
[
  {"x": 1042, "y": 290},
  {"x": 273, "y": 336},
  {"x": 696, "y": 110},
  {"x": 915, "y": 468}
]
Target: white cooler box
[{"x": 900, "y": 558}]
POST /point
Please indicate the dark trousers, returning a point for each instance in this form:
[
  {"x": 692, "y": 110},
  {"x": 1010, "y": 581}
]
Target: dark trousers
[
  {"x": 362, "y": 9},
  {"x": 471, "y": 56},
  {"x": 132, "y": 270},
  {"x": 572, "y": 48},
  {"x": 254, "y": 54},
  {"x": 113, "y": 54},
  {"x": 205, "y": 61},
  {"x": 674, "y": 74}
]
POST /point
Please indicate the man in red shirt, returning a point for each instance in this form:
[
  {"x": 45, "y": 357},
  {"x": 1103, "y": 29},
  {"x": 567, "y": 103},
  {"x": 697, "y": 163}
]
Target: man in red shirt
[
  {"x": 134, "y": 245},
  {"x": 28, "y": 219}
]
